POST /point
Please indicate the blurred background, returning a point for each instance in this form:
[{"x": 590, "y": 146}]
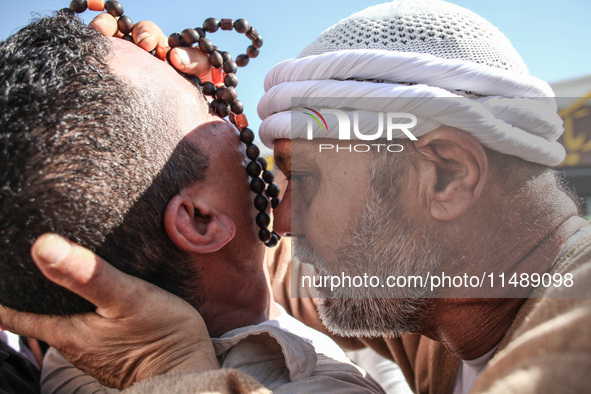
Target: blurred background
[{"x": 553, "y": 37}]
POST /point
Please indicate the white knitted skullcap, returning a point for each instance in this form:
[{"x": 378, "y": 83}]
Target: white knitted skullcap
[
  {"x": 426, "y": 49},
  {"x": 433, "y": 27}
]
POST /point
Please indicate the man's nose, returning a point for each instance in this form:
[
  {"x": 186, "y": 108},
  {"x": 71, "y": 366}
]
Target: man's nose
[{"x": 282, "y": 218}]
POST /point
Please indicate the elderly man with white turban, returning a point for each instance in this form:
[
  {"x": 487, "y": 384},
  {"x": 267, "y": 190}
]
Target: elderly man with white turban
[{"x": 469, "y": 189}]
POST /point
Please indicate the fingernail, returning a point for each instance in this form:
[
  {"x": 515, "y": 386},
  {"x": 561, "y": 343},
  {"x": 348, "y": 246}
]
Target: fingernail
[
  {"x": 184, "y": 56},
  {"x": 52, "y": 248},
  {"x": 143, "y": 36}
]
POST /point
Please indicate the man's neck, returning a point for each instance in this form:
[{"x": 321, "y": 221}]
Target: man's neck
[{"x": 470, "y": 328}]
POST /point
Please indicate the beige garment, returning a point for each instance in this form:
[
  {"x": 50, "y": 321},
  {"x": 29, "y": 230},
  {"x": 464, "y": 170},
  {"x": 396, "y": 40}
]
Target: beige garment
[
  {"x": 276, "y": 359},
  {"x": 546, "y": 350}
]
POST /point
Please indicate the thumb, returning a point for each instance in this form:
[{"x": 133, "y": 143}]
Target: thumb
[
  {"x": 86, "y": 274},
  {"x": 191, "y": 61}
]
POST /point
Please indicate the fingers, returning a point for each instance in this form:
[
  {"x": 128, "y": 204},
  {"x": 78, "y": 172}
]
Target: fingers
[
  {"x": 191, "y": 61},
  {"x": 30, "y": 325},
  {"x": 81, "y": 271},
  {"x": 148, "y": 36},
  {"x": 106, "y": 24}
]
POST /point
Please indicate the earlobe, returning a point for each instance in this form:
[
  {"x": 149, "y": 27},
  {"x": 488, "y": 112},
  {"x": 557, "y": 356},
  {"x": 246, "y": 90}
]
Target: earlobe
[
  {"x": 461, "y": 168},
  {"x": 196, "y": 227}
]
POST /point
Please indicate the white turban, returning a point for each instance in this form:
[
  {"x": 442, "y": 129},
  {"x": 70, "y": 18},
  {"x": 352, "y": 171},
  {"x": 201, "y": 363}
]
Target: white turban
[{"x": 438, "y": 61}]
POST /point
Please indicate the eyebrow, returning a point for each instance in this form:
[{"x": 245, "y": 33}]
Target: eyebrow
[{"x": 282, "y": 158}]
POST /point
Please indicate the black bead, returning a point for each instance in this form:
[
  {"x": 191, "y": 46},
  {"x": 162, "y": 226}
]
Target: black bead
[
  {"x": 241, "y": 26},
  {"x": 275, "y": 202},
  {"x": 124, "y": 24},
  {"x": 201, "y": 32},
  {"x": 214, "y": 105},
  {"x": 230, "y": 67},
  {"x": 237, "y": 107},
  {"x": 258, "y": 42},
  {"x": 263, "y": 219},
  {"x": 230, "y": 95},
  {"x": 253, "y": 152},
  {"x": 208, "y": 88},
  {"x": 114, "y": 8},
  {"x": 190, "y": 36},
  {"x": 217, "y": 49},
  {"x": 242, "y": 60},
  {"x": 268, "y": 176},
  {"x": 252, "y": 33},
  {"x": 246, "y": 135},
  {"x": 265, "y": 235},
  {"x": 226, "y": 56},
  {"x": 263, "y": 163},
  {"x": 128, "y": 37},
  {"x": 231, "y": 80},
  {"x": 273, "y": 190},
  {"x": 205, "y": 45},
  {"x": 253, "y": 169},
  {"x": 215, "y": 59},
  {"x": 252, "y": 52},
  {"x": 175, "y": 40},
  {"x": 78, "y": 6},
  {"x": 222, "y": 110},
  {"x": 261, "y": 202},
  {"x": 211, "y": 25},
  {"x": 168, "y": 56},
  {"x": 273, "y": 241},
  {"x": 219, "y": 94},
  {"x": 257, "y": 185}
]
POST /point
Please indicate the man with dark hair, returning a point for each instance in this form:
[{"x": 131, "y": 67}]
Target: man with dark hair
[{"x": 111, "y": 147}]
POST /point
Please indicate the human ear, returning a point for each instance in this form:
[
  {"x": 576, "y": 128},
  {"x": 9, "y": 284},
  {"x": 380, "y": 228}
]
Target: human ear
[
  {"x": 196, "y": 227},
  {"x": 461, "y": 168}
]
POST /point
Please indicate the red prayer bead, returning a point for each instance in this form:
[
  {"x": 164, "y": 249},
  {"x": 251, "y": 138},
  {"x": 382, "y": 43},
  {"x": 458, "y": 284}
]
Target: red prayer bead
[
  {"x": 241, "y": 121},
  {"x": 217, "y": 76}
]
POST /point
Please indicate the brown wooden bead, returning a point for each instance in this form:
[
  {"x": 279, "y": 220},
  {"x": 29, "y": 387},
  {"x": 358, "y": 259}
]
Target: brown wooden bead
[
  {"x": 219, "y": 94},
  {"x": 217, "y": 49},
  {"x": 124, "y": 24},
  {"x": 222, "y": 110},
  {"x": 268, "y": 176},
  {"x": 247, "y": 136},
  {"x": 211, "y": 25},
  {"x": 258, "y": 42},
  {"x": 78, "y": 6},
  {"x": 273, "y": 241},
  {"x": 275, "y": 202},
  {"x": 252, "y": 52},
  {"x": 175, "y": 40},
  {"x": 215, "y": 59},
  {"x": 252, "y": 33},
  {"x": 208, "y": 88},
  {"x": 273, "y": 190},
  {"x": 202, "y": 33},
  {"x": 265, "y": 235},
  {"x": 242, "y": 60},
  {"x": 128, "y": 37},
  {"x": 226, "y": 56},
  {"x": 227, "y": 24},
  {"x": 231, "y": 80},
  {"x": 232, "y": 117},
  {"x": 95, "y": 5},
  {"x": 230, "y": 67},
  {"x": 263, "y": 163},
  {"x": 253, "y": 152},
  {"x": 237, "y": 107},
  {"x": 205, "y": 45},
  {"x": 253, "y": 169},
  {"x": 230, "y": 95},
  {"x": 263, "y": 219},
  {"x": 241, "y": 26},
  {"x": 190, "y": 36},
  {"x": 261, "y": 203},
  {"x": 114, "y": 8},
  {"x": 257, "y": 185}
]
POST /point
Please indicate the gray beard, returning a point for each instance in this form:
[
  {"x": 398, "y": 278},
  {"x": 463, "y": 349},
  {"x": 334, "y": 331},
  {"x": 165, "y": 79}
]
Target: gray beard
[{"x": 382, "y": 244}]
